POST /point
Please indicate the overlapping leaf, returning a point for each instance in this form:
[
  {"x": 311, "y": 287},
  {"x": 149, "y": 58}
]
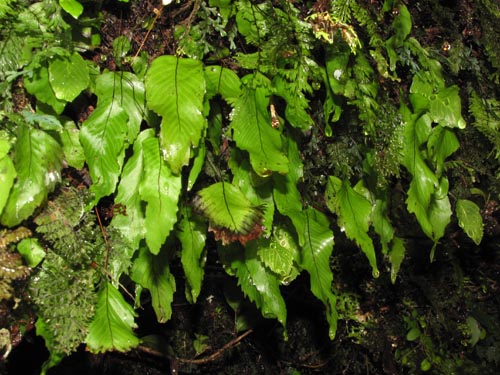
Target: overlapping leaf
[
  {"x": 354, "y": 215},
  {"x": 253, "y": 132},
  {"x": 226, "y": 206},
  {"x": 192, "y": 234},
  {"x": 68, "y": 76},
  {"x": 113, "y": 323},
  {"x": 175, "y": 90},
  {"x": 7, "y": 173},
  {"x": 148, "y": 193},
  {"x": 38, "y": 161},
  {"x": 316, "y": 241},
  {"x": 152, "y": 272},
  {"x": 256, "y": 282},
  {"x": 160, "y": 190},
  {"x": 110, "y": 128}
]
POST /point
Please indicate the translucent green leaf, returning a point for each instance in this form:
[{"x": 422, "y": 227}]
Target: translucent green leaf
[
  {"x": 382, "y": 224},
  {"x": 442, "y": 143},
  {"x": 253, "y": 132},
  {"x": 7, "y": 173},
  {"x": 73, "y": 150},
  {"x": 38, "y": 161},
  {"x": 31, "y": 250},
  {"x": 226, "y": 206},
  {"x": 152, "y": 272},
  {"x": 256, "y": 282},
  {"x": 396, "y": 256},
  {"x": 198, "y": 164},
  {"x": 440, "y": 210},
  {"x": 316, "y": 241},
  {"x": 73, "y": 7},
  {"x": 470, "y": 219},
  {"x": 111, "y": 328},
  {"x": 279, "y": 253},
  {"x": 446, "y": 108},
  {"x": 160, "y": 190},
  {"x": 175, "y": 90},
  {"x": 192, "y": 235},
  {"x": 222, "y": 81},
  {"x": 68, "y": 76},
  {"x": 38, "y": 84},
  {"x": 354, "y": 214}
]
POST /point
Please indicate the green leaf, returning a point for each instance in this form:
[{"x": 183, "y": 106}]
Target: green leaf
[
  {"x": 287, "y": 196},
  {"x": 103, "y": 137},
  {"x": 68, "y": 76},
  {"x": 396, "y": 256},
  {"x": 160, "y": 190},
  {"x": 382, "y": 224},
  {"x": 175, "y": 89},
  {"x": 38, "y": 84},
  {"x": 73, "y": 150},
  {"x": 31, "y": 250},
  {"x": 192, "y": 235},
  {"x": 73, "y": 7},
  {"x": 470, "y": 220},
  {"x": 354, "y": 214},
  {"x": 226, "y": 206},
  {"x": 111, "y": 328},
  {"x": 253, "y": 132},
  {"x": 111, "y": 127},
  {"x": 131, "y": 222},
  {"x": 38, "y": 161},
  {"x": 55, "y": 357},
  {"x": 279, "y": 253},
  {"x": 152, "y": 272},
  {"x": 7, "y": 173},
  {"x": 222, "y": 81},
  {"x": 446, "y": 108},
  {"x": 258, "y": 284},
  {"x": 316, "y": 241},
  {"x": 413, "y": 334},
  {"x": 441, "y": 144}
]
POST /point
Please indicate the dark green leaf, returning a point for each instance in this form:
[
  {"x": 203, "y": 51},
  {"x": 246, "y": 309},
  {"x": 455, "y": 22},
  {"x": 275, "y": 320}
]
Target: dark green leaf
[{"x": 152, "y": 272}]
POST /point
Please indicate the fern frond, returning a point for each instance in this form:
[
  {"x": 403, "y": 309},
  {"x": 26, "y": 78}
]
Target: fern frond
[{"x": 486, "y": 114}]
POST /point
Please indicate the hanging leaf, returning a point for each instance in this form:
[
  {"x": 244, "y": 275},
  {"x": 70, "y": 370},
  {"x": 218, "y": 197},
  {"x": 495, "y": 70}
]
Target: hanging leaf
[
  {"x": 73, "y": 7},
  {"x": 396, "y": 256},
  {"x": 175, "y": 89},
  {"x": 227, "y": 207},
  {"x": 279, "y": 253},
  {"x": 316, "y": 241},
  {"x": 470, "y": 220},
  {"x": 111, "y": 328},
  {"x": 441, "y": 144},
  {"x": 103, "y": 137},
  {"x": 38, "y": 161},
  {"x": 354, "y": 214},
  {"x": 38, "y": 84},
  {"x": 256, "y": 282},
  {"x": 192, "y": 235},
  {"x": 160, "y": 189},
  {"x": 382, "y": 224},
  {"x": 131, "y": 222},
  {"x": 222, "y": 81},
  {"x": 253, "y": 132},
  {"x": 152, "y": 273},
  {"x": 73, "y": 150},
  {"x": 7, "y": 173},
  {"x": 68, "y": 76}
]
